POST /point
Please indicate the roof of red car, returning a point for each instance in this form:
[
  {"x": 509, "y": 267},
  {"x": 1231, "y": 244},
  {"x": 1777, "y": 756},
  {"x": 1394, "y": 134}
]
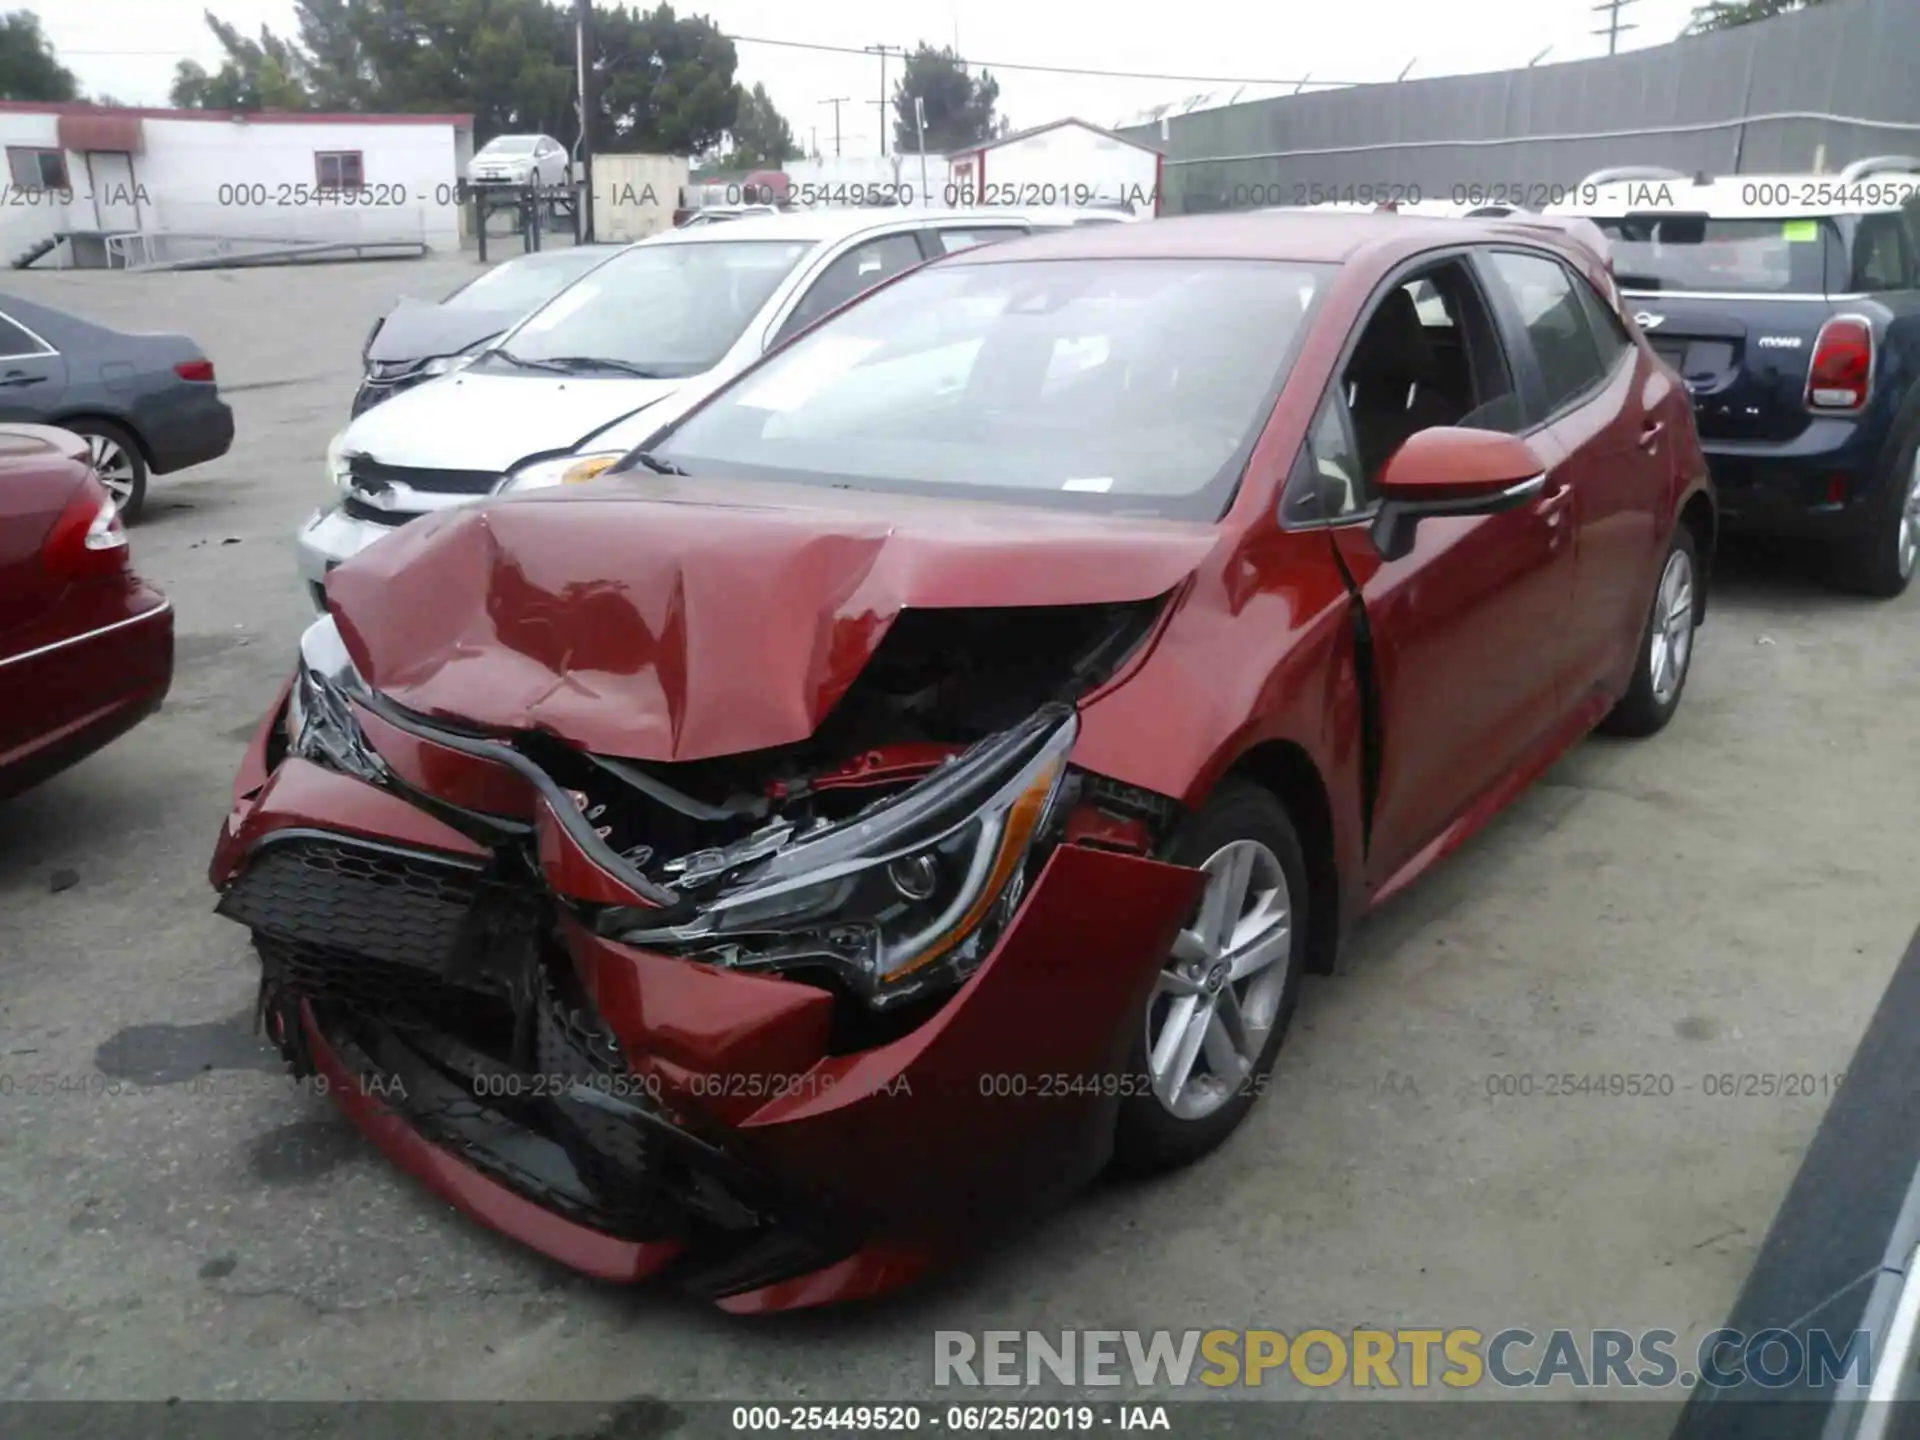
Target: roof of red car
[{"x": 1328, "y": 237}]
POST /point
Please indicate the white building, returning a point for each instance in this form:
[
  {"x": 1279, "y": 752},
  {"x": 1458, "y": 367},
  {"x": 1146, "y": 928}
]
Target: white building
[
  {"x": 895, "y": 179},
  {"x": 86, "y": 172},
  {"x": 1066, "y": 162}
]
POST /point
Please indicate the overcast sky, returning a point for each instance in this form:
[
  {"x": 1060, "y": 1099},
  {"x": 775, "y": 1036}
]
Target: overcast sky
[{"x": 128, "y": 48}]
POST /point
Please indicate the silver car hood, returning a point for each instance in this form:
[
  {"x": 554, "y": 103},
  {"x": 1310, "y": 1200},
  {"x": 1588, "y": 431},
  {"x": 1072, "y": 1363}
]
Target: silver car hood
[{"x": 466, "y": 421}]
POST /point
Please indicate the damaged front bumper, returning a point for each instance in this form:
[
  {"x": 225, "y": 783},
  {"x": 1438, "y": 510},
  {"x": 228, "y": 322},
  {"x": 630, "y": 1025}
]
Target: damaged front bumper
[{"x": 448, "y": 944}]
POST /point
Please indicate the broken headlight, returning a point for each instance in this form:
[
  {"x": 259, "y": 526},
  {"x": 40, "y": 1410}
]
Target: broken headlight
[
  {"x": 907, "y": 896},
  {"x": 320, "y": 724}
]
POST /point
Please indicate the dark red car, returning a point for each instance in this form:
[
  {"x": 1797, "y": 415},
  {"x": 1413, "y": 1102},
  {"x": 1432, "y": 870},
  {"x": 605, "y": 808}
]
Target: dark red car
[
  {"x": 921, "y": 775},
  {"x": 86, "y": 647}
]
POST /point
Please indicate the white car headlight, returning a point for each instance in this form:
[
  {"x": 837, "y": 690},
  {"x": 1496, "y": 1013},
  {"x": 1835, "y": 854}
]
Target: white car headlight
[
  {"x": 564, "y": 470},
  {"x": 337, "y": 470}
]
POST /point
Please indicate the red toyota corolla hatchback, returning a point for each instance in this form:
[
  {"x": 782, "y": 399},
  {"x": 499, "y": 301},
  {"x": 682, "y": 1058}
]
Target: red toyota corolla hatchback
[{"x": 921, "y": 777}]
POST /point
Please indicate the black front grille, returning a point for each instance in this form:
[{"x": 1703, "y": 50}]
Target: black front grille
[
  {"x": 570, "y": 1044},
  {"x": 370, "y": 474},
  {"x": 362, "y": 900},
  {"x": 402, "y": 995},
  {"x": 516, "y": 1131}
]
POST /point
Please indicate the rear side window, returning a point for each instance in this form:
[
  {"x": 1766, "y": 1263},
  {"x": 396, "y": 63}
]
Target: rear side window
[
  {"x": 1881, "y": 258},
  {"x": 1609, "y": 335},
  {"x": 1556, "y": 324},
  {"x": 15, "y": 341},
  {"x": 951, "y": 240},
  {"x": 854, "y": 273}
]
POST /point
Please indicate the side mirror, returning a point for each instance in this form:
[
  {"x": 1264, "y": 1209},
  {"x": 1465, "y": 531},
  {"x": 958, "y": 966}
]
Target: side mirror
[{"x": 1445, "y": 471}]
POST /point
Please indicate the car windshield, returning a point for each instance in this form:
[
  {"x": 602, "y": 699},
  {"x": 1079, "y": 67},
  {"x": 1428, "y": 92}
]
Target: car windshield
[
  {"x": 1746, "y": 256},
  {"x": 1133, "y": 387},
  {"x": 664, "y": 309},
  {"x": 511, "y": 145},
  {"x": 519, "y": 285}
]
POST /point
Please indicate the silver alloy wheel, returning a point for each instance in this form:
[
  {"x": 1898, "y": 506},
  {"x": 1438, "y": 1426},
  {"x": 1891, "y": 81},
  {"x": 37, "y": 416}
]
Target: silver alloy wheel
[
  {"x": 1672, "y": 640},
  {"x": 1219, "y": 996},
  {"x": 115, "y": 468},
  {"x": 1910, "y": 522}
]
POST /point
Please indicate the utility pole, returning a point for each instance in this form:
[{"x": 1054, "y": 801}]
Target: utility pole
[
  {"x": 1613, "y": 27},
  {"x": 883, "y": 51},
  {"x": 836, "y": 102},
  {"x": 920, "y": 130},
  {"x": 582, "y": 16}
]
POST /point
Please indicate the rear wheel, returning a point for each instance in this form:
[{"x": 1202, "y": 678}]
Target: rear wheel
[
  {"x": 1666, "y": 646},
  {"x": 1881, "y": 563},
  {"x": 1206, "y": 1041},
  {"x": 117, "y": 460}
]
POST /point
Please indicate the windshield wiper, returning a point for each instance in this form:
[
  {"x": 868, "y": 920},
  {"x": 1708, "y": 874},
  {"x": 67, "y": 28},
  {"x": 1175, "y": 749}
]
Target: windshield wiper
[
  {"x": 521, "y": 362},
  {"x": 655, "y": 463},
  {"x": 600, "y": 362}
]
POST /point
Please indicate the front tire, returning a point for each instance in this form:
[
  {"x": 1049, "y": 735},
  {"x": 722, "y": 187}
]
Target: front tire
[
  {"x": 117, "y": 459},
  {"x": 1666, "y": 646},
  {"x": 1206, "y": 1039}
]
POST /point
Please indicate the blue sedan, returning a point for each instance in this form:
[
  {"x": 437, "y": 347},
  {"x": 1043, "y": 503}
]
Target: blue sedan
[{"x": 146, "y": 404}]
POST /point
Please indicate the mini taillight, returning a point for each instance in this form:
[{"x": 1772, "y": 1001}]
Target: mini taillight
[
  {"x": 88, "y": 538},
  {"x": 195, "y": 370},
  {"x": 1842, "y": 367}
]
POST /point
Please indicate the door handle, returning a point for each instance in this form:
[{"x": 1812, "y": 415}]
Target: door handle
[
  {"x": 14, "y": 379},
  {"x": 1651, "y": 432},
  {"x": 1553, "y": 510}
]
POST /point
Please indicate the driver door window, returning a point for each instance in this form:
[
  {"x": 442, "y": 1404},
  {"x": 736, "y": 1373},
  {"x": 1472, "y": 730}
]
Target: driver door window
[
  {"x": 1880, "y": 259},
  {"x": 854, "y": 273},
  {"x": 1428, "y": 355}
]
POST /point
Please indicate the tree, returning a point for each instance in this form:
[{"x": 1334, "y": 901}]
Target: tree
[
  {"x": 29, "y": 68},
  {"x": 959, "y": 108},
  {"x": 661, "y": 82},
  {"x": 762, "y": 139},
  {"x": 263, "y": 74},
  {"x": 1731, "y": 14},
  {"x": 663, "y": 85}
]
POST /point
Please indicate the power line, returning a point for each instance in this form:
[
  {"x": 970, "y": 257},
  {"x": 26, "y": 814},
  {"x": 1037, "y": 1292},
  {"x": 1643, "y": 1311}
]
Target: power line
[
  {"x": 1055, "y": 69},
  {"x": 867, "y": 51}
]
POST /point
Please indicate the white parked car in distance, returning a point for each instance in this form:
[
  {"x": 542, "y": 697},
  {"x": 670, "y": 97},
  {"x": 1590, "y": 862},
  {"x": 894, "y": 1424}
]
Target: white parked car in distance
[
  {"x": 583, "y": 379},
  {"x": 520, "y": 160}
]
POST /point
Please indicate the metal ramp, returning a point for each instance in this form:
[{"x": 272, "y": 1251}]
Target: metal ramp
[{"x": 172, "y": 250}]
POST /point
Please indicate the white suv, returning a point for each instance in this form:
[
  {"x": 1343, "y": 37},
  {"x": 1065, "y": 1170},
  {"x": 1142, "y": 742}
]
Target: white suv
[{"x": 581, "y": 380}]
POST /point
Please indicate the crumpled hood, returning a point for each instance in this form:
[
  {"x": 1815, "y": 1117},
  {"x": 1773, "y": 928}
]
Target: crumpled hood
[
  {"x": 670, "y": 619},
  {"x": 468, "y": 421},
  {"x": 418, "y": 331}
]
